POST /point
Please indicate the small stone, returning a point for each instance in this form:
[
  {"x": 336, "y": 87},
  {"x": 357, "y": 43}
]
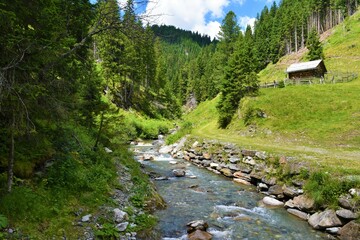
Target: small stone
[
  {"x": 179, "y": 172},
  {"x": 214, "y": 165},
  {"x": 263, "y": 186},
  {"x": 161, "y": 178},
  {"x": 290, "y": 191},
  {"x": 272, "y": 202},
  {"x": 173, "y": 162},
  {"x": 119, "y": 215},
  {"x": 226, "y": 172},
  {"x": 195, "y": 144},
  {"x": 207, "y": 156},
  {"x": 166, "y": 149},
  {"x": 86, "y": 218},
  {"x": 197, "y": 225},
  {"x": 122, "y": 226},
  {"x": 193, "y": 177},
  {"x": 346, "y": 214},
  {"x": 261, "y": 155},
  {"x": 283, "y": 160},
  {"x": 333, "y": 230},
  {"x": 108, "y": 150},
  {"x": 299, "y": 214},
  {"x": 275, "y": 190},
  {"x": 10, "y": 231},
  {"x": 249, "y": 160},
  {"x": 249, "y": 153},
  {"x": 241, "y": 181},
  {"x": 354, "y": 192}
]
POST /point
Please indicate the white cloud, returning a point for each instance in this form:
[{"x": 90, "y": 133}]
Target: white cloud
[
  {"x": 241, "y": 2},
  {"x": 245, "y": 20},
  {"x": 188, "y": 14}
]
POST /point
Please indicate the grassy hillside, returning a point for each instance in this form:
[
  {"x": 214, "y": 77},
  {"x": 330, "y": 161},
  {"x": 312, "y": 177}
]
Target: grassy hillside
[
  {"x": 316, "y": 123},
  {"x": 341, "y": 49}
]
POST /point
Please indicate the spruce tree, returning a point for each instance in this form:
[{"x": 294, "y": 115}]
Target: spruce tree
[{"x": 314, "y": 45}]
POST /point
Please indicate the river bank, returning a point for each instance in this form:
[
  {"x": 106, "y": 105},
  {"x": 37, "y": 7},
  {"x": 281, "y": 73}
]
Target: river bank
[{"x": 280, "y": 180}]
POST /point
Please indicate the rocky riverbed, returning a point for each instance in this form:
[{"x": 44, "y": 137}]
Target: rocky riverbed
[{"x": 249, "y": 167}]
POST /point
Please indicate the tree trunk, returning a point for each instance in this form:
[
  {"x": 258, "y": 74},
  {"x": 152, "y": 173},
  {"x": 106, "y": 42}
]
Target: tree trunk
[
  {"x": 302, "y": 36},
  {"x": 296, "y": 40},
  {"x": 11, "y": 154}
]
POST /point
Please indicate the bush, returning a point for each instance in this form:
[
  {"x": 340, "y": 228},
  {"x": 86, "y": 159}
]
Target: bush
[
  {"x": 185, "y": 128},
  {"x": 325, "y": 189}
]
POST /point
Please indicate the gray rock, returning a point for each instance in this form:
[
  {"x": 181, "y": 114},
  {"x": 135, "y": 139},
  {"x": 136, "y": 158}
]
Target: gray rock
[
  {"x": 166, "y": 149},
  {"x": 119, "y": 216},
  {"x": 345, "y": 201},
  {"x": 299, "y": 214},
  {"x": 242, "y": 176},
  {"x": 196, "y": 225},
  {"x": 262, "y": 187},
  {"x": 275, "y": 190},
  {"x": 304, "y": 203},
  {"x": 86, "y": 218},
  {"x": 333, "y": 230},
  {"x": 108, "y": 150},
  {"x": 346, "y": 214},
  {"x": 206, "y": 163},
  {"x": 354, "y": 192},
  {"x": 261, "y": 155},
  {"x": 226, "y": 172},
  {"x": 269, "y": 180},
  {"x": 351, "y": 231},
  {"x": 214, "y": 165},
  {"x": 161, "y": 178},
  {"x": 323, "y": 220},
  {"x": 207, "y": 156},
  {"x": 249, "y": 153},
  {"x": 249, "y": 160},
  {"x": 147, "y": 157},
  {"x": 234, "y": 159},
  {"x": 179, "y": 172},
  {"x": 241, "y": 181},
  {"x": 272, "y": 202},
  {"x": 290, "y": 191},
  {"x": 233, "y": 167},
  {"x": 195, "y": 144},
  {"x": 122, "y": 226}
]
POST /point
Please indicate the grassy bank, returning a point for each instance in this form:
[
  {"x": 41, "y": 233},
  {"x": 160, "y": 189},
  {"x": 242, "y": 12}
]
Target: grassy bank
[{"x": 317, "y": 124}]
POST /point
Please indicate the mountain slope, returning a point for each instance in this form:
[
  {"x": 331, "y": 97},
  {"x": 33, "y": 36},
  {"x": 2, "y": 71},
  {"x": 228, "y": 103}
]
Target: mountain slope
[{"x": 317, "y": 123}]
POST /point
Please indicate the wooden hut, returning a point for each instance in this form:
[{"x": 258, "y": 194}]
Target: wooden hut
[{"x": 310, "y": 69}]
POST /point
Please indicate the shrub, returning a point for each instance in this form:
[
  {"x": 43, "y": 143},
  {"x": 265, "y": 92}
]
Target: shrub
[{"x": 325, "y": 189}]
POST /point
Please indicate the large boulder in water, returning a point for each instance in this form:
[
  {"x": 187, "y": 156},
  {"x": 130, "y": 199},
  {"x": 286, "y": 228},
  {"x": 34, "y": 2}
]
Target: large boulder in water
[
  {"x": 197, "y": 225},
  {"x": 179, "y": 172},
  {"x": 199, "y": 235}
]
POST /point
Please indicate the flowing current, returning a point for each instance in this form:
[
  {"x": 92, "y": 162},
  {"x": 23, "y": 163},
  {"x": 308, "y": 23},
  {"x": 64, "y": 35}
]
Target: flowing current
[{"x": 233, "y": 211}]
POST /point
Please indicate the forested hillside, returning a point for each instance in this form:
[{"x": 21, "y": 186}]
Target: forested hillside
[{"x": 78, "y": 79}]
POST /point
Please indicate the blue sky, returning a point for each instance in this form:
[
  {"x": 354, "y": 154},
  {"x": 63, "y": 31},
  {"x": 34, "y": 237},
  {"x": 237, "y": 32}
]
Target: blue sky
[{"x": 203, "y": 16}]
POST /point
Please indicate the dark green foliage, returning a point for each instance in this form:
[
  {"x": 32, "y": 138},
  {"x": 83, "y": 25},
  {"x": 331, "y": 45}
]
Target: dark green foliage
[
  {"x": 314, "y": 45},
  {"x": 239, "y": 80},
  {"x": 185, "y": 128},
  {"x": 3, "y": 221},
  {"x": 281, "y": 84},
  {"x": 108, "y": 231},
  {"x": 173, "y": 35}
]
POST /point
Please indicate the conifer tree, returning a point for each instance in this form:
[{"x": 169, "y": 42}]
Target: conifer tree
[{"x": 314, "y": 45}]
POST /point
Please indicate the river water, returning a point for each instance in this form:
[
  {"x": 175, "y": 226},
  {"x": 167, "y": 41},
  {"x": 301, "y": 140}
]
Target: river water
[{"x": 233, "y": 211}]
